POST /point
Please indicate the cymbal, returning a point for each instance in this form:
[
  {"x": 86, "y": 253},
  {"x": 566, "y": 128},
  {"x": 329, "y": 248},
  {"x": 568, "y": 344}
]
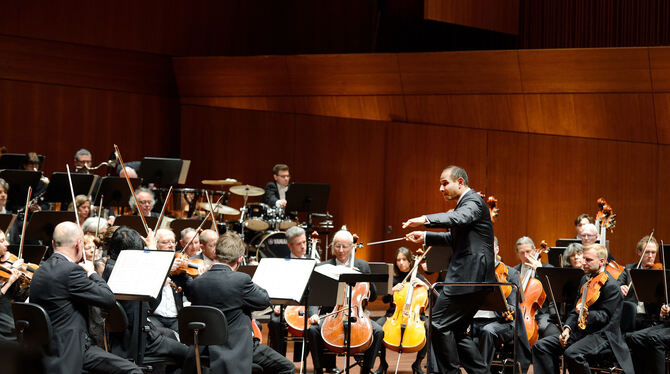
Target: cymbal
[
  {"x": 221, "y": 182},
  {"x": 247, "y": 190},
  {"x": 218, "y": 208}
]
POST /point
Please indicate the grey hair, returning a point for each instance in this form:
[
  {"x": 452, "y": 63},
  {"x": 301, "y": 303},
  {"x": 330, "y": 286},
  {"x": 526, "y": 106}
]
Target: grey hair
[
  {"x": 294, "y": 232},
  {"x": 4, "y": 185},
  {"x": 207, "y": 235},
  {"x": 82, "y": 152},
  {"x": 523, "y": 240},
  {"x": 569, "y": 251},
  {"x": 91, "y": 223},
  {"x": 131, "y": 201},
  {"x": 186, "y": 231}
]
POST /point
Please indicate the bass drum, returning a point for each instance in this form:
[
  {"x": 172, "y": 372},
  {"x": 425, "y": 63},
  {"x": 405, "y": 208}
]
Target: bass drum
[{"x": 270, "y": 244}]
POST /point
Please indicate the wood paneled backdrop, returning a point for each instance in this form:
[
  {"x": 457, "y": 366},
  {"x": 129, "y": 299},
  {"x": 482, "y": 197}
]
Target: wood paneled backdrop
[{"x": 545, "y": 131}]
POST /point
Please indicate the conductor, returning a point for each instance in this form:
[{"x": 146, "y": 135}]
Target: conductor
[{"x": 471, "y": 238}]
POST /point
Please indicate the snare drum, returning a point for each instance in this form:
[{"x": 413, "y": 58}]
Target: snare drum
[
  {"x": 257, "y": 217},
  {"x": 270, "y": 244},
  {"x": 282, "y": 221}
]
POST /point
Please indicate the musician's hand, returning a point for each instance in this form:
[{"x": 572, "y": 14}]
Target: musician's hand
[
  {"x": 665, "y": 310},
  {"x": 314, "y": 319},
  {"x": 15, "y": 275},
  {"x": 282, "y": 203},
  {"x": 563, "y": 338},
  {"x": 533, "y": 263},
  {"x": 34, "y": 208},
  {"x": 88, "y": 266},
  {"x": 150, "y": 240},
  {"x": 276, "y": 309},
  {"x": 584, "y": 311},
  {"x": 424, "y": 266},
  {"x": 397, "y": 288},
  {"x": 110, "y": 221},
  {"x": 416, "y": 237},
  {"x": 18, "y": 263},
  {"x": 415, "y": 222},
  {"x": 624, "y": 290}
]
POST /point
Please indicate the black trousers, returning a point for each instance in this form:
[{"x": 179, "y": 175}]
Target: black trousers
[
  {"x": 649, "y": 347},
  {"x": 271, "y": 361},
  {"x": 321, "y": 361},
  {"x": 491, "y": 333},
  {"x": 96, "y": 360},
  {"x": 450, "y": 346},
  {"x": 277, "y": 332},
  {"x": 579, "y": 349},
  {"x": 171, "y": 323}
]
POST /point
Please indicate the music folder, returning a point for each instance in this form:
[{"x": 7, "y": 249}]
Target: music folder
[
  {"x": 42, "y": 224},
  {"x": 648, "y": 284},
  {"x": 284, "y": 279},
  {"x": 564, "y": 282},
  {"x": 140, "y": 274}
]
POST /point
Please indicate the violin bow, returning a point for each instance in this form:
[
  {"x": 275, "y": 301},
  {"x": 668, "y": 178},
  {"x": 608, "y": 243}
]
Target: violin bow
[
  {"x": 665, "y": 277},
  {"x": 160, "y": 218},
  {"x": 416, "y": 263},
  {"x": 74, "y": 203},
  {"x": 197, "y": 231},
  {"x": 25, "y": 219},
  {"x": 211, "y": 209},
  {"x": 132, "y": 190},
  {"x": 644, "y": 251},
  {"x": 551, "y": 292},
  {"x": 97, "y": 227}
]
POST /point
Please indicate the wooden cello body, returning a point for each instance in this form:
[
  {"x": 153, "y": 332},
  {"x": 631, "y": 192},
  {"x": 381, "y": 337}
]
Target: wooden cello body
[
  {"x": 333, "y": 328},
  {"x": 405, "y": 331}
]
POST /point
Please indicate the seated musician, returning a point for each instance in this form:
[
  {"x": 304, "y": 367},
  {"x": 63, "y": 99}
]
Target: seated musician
[
  {"x": 91, "y": 225},
  {"x": 573, "y": 257},
  {"x": 208, "y": 239},
  {"x": 589, "y": 234},
  {"x": 545, "y": 316},
  {"x": 600, "y": 331},
  {"x": 581, "y": 220},
  {"x": 236, "y": 295},
  {"x": 32, "y": 163},
  {"x": 342, "y": 245},
  {"x": 83, "y": 204},
  {"x": 4, "y": 189},
  {"x": 297, "y": 243},
  {"x": 189, "y": 235},
  {"x": 9, "y": 290},
  {"x": 164, "y": 310},
  {"x": 491, "y": 329},
  {"x": 649, "y": 346},
  {"x": 157, "y": 341},
  {"x": 275, "y": 192},
  {"x": 65, "y": 289},
  {"x": 147, "y": 201},
  {"x": 647, "y": 313},
  {"x": 82, "y": 161},
  {"x": 403, "y": 265}
]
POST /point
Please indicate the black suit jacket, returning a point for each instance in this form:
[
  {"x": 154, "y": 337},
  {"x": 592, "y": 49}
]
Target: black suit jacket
[
  {"x": 604, "y": 321},
  {"x": 236, "y": 296},
  {"x": 471, "y": 238},
  {"x": 271, "y": 194},
  {"x": 62, "y": 288}
]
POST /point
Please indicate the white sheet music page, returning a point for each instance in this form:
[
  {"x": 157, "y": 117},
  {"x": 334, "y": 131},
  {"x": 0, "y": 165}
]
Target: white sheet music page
[
  {"x": 334, "y": 272},
  {"x": 140, "y": 273},
  {"x": 283, "y": 278}
]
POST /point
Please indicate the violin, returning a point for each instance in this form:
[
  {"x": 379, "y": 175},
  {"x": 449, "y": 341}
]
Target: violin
[
  {"x": 190, "y": 267},
  {"x": 614, "y": 269},
  {"x": 333, "y": 329},
  {"x": 501, "y": 274},
  {"x": 534, "y": 297},
  {"x": 256, "y": 330},
  {"x": 492, "y": 203},
  {"x": 405, "y": 331},
  {"x": 590, "y": 292},
  {"x": 294, "y": 315}
]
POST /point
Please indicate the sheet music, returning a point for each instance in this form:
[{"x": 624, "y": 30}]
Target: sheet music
[
  {"x": 334, "y": 272},
  {"x": 140, "y": 272},
  {"x": 284, "y": 278}
]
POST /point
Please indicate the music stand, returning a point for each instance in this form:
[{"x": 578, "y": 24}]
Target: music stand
[
  {"x": 555, "y": 255},
  {"x": 564, "y": 282},
  {"x": 15, "y": 161},
  {"x": 42, "y": 224},
  {"x": 383, "y": 288},
  {"x": 564, "y": 242},
  {"x": 438, "y": 258},
  {"x": 135, "y": 223},
  {"x": 58, "y": 189},
  {"x": 31, "y": 252},
  {"x": 650, "y": 284},
  {"x": 666, "y": 252},
  {"x": 6, "y": 221},
  {"x": 179, "y": 224},
  {"x": 307, "y": 197},
  {"x": 115, "y": 190},
  {"x": 160, "y": 171},
  {"x": 19, "y": 180}
]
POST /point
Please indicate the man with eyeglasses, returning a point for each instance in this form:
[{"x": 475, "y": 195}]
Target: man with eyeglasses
[
  {"x": 146, "y": 199},
  {"x": 164, "y": 310},
  {"x": 275, "y": 192},
  {"x": 342, "y": 245},
  {"x": 589, "y": 234}
]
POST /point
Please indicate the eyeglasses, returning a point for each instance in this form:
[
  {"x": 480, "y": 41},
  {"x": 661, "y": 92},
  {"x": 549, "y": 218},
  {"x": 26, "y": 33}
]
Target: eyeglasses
[
  {"x": 146, "y": 202},
  {"x": 587, "y": 236},
  {"x": 342, "y": 246},
  {"x": 167, "y": 242}
]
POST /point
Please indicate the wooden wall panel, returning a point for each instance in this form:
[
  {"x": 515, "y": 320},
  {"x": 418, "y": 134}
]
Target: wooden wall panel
[
  {"x": 459, "y": 72},
  {"x": 380, "y": 108},
  {"x": 501, "y": 16},
  {"x": 585, "y": 70},
  {"x": 567, "y": 175},
  {"x": 659, "y": 58},
  {"x": 662, "y": 112},
  {"x": 496, "y": 112},
  {"x": 662, "y": 216},
  {"x": 609, "y": 116}
]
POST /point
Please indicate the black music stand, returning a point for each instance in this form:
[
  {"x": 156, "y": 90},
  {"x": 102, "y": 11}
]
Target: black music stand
[
  {"x": 555, "y": 255},
  {"x": 666, "y": 252},
  {"x": 307, "y": 197},
  {"x": 135, "y": 223},
  {"x": 42, "y": 224},
  {"x": 15, "y": 161},
  {"x": 31, "y": 252},
  {"x": 564, "y": 242},
  {"x": 19, "y": 180},
  {"x": 385, "y": 287},
  {"x": 179, "y": 224},
  {"x": 58, "y": 189},
  {"x": 6, "y": 221},
  {"x": 650, "y": 284},
  {"x": 115, "y": 190},
  {"x": 564, "y": 283},
  {"x": 160, "y": 171},
  {"x": 438, "y": 258}
]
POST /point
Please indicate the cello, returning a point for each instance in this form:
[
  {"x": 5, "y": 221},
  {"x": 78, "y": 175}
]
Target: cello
[
  {"x": 533, "y": 298},
  {"x": 335, "y": 324}
]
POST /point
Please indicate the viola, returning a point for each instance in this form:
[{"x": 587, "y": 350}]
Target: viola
[
  {"x": 190, "y": 267},
  {"x": 501, "y": 274},
  {"x": 534, "y": 297},
  {"x": 590, "y": 292},
  {"x": 256, "y": 330},
  {"x": 405, "y": 331},
  {"x": 333, "y": 330}
]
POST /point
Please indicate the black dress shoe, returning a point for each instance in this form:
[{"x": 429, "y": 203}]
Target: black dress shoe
[
  {"x": 416, "y": 368},
  {"x": 383, "y": 368}
]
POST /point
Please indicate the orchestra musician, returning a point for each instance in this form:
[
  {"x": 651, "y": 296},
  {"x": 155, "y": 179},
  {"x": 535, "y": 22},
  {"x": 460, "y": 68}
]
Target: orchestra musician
[
  {"x": 93, "y": 225},
  {"x": 236, "y": 295},
  {"x": 82, "y": 160},
  {"x": 546, "y": 315},
  {"x": 147, "y": 201},
  {"x": 589, "y": 234},
  {"x": 83, "y": 206},
  {"x": 9, "y": 290},
  {"x": 471, "y": 238},
  {"x": 275, "y": 192},
  {"x": 646, "y": 312},
  {"x": 581, "y": 220},
  {"x": 573, "y": 256},
  {"x": 491, "y": 329},
  {"x": 164, "y": 310},
  {"x": 404, "y": 263},
  {"x": 193, "y": 250},
  {"x": 32, "y": 163},
  {"x": 4, "y": 189},
  {"x": 342, "y": 245},
  {"x": 602, "y": 323},
  {"x": 66, "y": 288},
  {"x": 208, "y": 239},
  {"x": 650, "y": 345}
]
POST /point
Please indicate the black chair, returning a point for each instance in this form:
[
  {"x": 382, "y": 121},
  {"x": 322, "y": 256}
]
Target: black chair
[
  {"x": 202, "y": 325},
  {"x": 33, "y": 325},
  {"x": 606, "y": 363}
]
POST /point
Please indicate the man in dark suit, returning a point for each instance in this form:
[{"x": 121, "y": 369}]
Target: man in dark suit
[
  {"x": 601, "y": 332},
  {"x": 236, "y": 295},
  {"x": 650, "y": 345},
  {"x": 275, "y": 192},
  {"x": 343, "y": 244},
  {"x": 471, "y": 238},
  {"x": 66, "y": 290}
]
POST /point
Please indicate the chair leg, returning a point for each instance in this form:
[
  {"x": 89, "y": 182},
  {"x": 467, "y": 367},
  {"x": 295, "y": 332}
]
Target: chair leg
[{"x": 197, "y": 351}]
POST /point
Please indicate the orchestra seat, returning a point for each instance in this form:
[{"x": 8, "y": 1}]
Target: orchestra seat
[
  {"x": 606, "y": 363},
  {"x": 33, "y": 331},
  {"x": 202, "y": 325}
]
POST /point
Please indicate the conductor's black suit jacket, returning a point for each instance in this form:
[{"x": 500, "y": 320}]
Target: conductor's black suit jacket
[
  {"x": 62, "y": 288},
  {"x": 471, "y": 237}
]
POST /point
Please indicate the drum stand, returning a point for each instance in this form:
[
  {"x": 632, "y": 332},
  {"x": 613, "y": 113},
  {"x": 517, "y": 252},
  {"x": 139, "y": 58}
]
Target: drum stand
[{"x": 243, "y": 212}]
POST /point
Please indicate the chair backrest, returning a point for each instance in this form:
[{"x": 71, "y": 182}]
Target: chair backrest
[
  {"x": 215, "y": 330},
  {"x": 115, "y": 318},
  {"x": 33, "y": 325}
]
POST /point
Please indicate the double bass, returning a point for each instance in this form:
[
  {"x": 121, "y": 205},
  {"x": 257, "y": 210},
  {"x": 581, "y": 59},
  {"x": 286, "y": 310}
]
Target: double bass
[
  {"x": 606, "y": 220},
  {"x": 533, "y": 299}
]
